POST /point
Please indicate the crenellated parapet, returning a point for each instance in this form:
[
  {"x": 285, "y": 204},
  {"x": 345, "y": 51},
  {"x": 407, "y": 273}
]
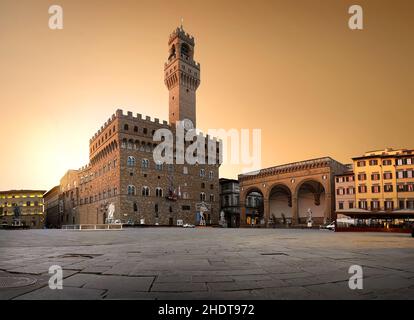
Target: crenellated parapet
[
  {"x": 107, "y": 123},
  {"x": 139, "y": 117},
  {"x": 180, "y": 33},
  {"x": 120, "y": 114}
]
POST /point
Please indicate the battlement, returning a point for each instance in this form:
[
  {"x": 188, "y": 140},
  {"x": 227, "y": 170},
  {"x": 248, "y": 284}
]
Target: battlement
[
  {"x": 119, "y": 114},
  {"x": 84, "y": 168},
  {"x": 179, "y": 32},
  {"x": 105, "y": 125},
  {"x": 130, "y": 116}
]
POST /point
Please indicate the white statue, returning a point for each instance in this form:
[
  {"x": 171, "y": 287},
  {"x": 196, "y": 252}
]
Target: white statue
[
  {"x": 222, "y": 219},
  {"x": 309, "y": 215},
  {"x": 310, "y": 222},
  {"x": 202, "y": 219},
  {"x": 111, "y": 211}
]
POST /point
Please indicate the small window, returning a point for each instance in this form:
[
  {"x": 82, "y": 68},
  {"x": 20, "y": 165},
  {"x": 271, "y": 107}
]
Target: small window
[
  {"x": 158, "y": 192},
  {"x": 145, "y": 191},
  {"x": 131, "y": 190},
  {"x": 126, "y": 127},
  {"x": 145, "y": 163},
  {"x": 131, "y": 161}
]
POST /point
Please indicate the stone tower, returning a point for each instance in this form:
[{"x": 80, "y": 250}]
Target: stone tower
[{"x": 182, "y": 77}]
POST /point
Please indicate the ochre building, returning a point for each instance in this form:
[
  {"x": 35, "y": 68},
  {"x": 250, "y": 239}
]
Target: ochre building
[{"x": 29, "y": 203}]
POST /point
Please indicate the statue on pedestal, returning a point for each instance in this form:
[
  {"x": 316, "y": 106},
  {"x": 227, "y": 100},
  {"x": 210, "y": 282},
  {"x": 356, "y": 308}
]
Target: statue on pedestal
[
  {"x": 111, "y": 212},
  {"x": 310, "y": 221}
]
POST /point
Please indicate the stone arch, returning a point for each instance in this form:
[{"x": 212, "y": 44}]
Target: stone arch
[
  {"x": 252, "y": 201},
  {"x": 280, "y": 198},
  {"x": 311, "y": 194},
  {"x": 248, "y": 190}
]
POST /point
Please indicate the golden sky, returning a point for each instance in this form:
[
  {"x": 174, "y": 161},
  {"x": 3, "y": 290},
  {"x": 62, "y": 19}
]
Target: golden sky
[{"x": 291, "y": 68}]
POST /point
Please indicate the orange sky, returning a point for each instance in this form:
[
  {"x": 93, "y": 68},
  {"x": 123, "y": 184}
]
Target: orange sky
[{"x": 291, "y": 68}]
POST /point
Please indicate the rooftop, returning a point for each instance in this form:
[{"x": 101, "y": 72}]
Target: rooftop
[{"x": 291, "y": 167}]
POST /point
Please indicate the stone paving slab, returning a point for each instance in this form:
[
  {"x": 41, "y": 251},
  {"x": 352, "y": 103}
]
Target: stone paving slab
[
  {"x": 208, "y": 263},
  {"x": 178, "y": 287},
  {"x": 69, "y": 293}
]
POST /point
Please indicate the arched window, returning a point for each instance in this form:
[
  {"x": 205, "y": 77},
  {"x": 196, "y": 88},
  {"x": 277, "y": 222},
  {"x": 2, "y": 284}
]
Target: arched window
[
  {"x": 124, "y": 143},
  {"x": 135, "y": 207},
  {"x": 158, "y": 192},
  {"x": 202, "y": 196},
  {"x": 131, "y": 190},
  {"x": 185, "y": 49},
  {"x": 145, "y": 191},
  {"x": 211, "y": 197},
  {"x": 130, "y": 144},
  {"x": 185, "y": 195},
  {"x": 131, "y": 161},
  {"x": 211, "y": 175},
  {"x": 172, "y": 52},
  {"x": 145, "y": 163},
  {"x": 126, "y": 127},
  {"x": 202, "y": 173},
  {"x": 135, "y": 129},
  {"x": 203, "y": 185}
]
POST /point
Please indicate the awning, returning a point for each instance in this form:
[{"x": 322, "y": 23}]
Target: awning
[{"x": 366, "y": 214}]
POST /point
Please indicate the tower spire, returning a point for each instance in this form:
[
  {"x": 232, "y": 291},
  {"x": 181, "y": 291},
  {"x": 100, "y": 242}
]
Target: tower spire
[{"x": 182, "y": 76}]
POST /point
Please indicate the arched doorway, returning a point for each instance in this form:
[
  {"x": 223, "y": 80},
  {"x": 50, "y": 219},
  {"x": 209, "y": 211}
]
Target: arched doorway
[
  {"x": 254, "y": 207},
  {"x": 311, "y": 199},
  {"x": 280, "y": 205}
]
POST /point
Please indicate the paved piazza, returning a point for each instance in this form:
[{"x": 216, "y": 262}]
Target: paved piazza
[{"x": 206, "y": 263}]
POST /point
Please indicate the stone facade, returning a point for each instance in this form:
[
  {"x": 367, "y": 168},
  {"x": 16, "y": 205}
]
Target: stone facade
[
  {"x": 182, "y": 77},
  {"x": 290, "y": 191},
  {"x": 383, "y": 181},
  {"x": 345, "y": 191},
  {"x": 122, "y": 173},
  {"x": 230, "y": 201},
  {"x": 52, "y": 212},
  {"x": 30, "y": 203}
]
